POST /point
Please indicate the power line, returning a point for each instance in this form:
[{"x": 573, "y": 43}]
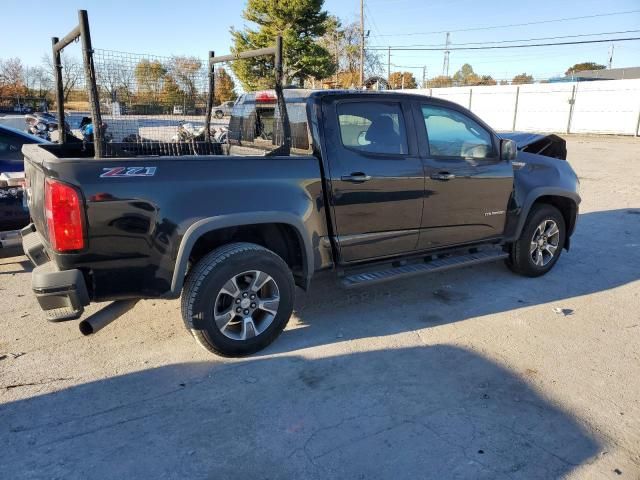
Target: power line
[
  {"x": 512, "y": 24},
  {"x": 493, "y": 47},
  {"x": 511, "y": 41}
]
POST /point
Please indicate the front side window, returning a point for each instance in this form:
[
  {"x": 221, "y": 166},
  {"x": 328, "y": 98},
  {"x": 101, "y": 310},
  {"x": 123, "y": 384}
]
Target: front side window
[
  {"x": 453, "y": 134},
  {"x": 376, "y": 127}
]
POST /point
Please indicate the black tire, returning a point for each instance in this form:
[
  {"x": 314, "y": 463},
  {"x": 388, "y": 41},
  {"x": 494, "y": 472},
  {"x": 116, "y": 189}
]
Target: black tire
[
  {"x": 219, "y": 114},
  {"x": 205, "y": 282},
  {"x": 521, "y": 257}
]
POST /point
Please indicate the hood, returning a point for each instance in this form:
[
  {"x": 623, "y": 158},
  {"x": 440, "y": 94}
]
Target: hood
[{"x": 549, "y": 145}]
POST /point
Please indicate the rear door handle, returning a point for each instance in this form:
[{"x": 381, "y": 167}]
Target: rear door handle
[
  {"x": 444, "y": 176},
  {"x": 356, "y": 177}
]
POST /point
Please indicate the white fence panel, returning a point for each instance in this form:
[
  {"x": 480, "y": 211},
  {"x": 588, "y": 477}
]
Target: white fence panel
[
  {"x": 603, "y": 106},
  {"x": 606, "y": 107},
  {"x": 459, "y": 95},
  {"x": 544, "y": 107},
  {"x": 495, "y": 105}
]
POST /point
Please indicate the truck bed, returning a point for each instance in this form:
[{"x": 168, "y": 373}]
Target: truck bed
[{"x": 138, "y": 208}]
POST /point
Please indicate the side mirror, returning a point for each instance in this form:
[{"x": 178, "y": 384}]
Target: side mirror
[{"x": 508, "y": 149}]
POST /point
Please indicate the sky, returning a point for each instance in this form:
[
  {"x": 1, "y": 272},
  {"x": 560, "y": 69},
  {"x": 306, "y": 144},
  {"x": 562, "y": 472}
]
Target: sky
[{"x": 194, "y": 27}]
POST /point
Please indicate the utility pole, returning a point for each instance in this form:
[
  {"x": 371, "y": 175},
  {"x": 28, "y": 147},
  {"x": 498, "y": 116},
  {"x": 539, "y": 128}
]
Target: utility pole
[
  {"x": 424, "y": 76},
  {"x": 361, "y": 43},
  {"x": 611, "y": 56},
  {"x": 445, "y": 64},
  {"x": 389, "y": 65}
]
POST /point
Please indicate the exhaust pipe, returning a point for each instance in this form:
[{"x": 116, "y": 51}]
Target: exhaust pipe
[{"x": 104, "y": 317}]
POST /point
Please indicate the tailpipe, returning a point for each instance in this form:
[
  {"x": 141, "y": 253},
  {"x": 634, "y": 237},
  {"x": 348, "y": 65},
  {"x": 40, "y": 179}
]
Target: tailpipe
[{"x": 104, "y": 317}]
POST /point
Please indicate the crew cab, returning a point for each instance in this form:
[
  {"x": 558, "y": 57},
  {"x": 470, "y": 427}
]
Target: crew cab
[{"x": 373, "y": 186}]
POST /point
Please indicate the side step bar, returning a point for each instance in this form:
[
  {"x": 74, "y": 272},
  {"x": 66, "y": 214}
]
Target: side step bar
[{"x": 429, "y": 266}]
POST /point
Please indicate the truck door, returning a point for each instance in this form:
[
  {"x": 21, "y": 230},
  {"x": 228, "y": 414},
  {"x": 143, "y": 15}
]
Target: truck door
[
  {"x": 467, "y": 186},
  {"x": 375, "y": 176}
]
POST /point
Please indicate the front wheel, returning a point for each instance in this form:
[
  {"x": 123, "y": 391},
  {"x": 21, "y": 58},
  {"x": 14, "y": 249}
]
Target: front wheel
[
  {"x": 540, "y": 243},
  {"x": 219, "y": 114},
  {"x": 238, "y": 299}
]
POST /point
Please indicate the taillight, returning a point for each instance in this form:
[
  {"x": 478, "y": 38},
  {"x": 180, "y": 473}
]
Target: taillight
[{"x": 63, "y": 211}]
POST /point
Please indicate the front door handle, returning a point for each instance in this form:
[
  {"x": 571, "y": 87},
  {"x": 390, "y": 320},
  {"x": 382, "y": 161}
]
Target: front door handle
[
  {"x": 444, "y": 176},
  {"x": 356, "y": 177}
]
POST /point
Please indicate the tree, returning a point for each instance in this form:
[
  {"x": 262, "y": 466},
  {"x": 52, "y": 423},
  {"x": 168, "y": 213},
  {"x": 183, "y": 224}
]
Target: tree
[
  {"x": 172, "y": 94},
  {"x": 108, "y": 78},
  {"x": 150, "y": 78},
  {"x": 402, "y": 80},
  {"x": 72, "y": 72},
  {"x": 486, "y": 80},
  {"x": 581, "y": 67},
  {"x": 187, "y": 73},
  {"x": 521, "y": 79},
  {"x": 465, "y": 76},
  {"x": 440, "y": 81},
  {"x": 343, "y": 43},
  {"x": 12, "y": 78},
  {"x": 225, "y": 87},
  {"x": 301, "y": 23}
]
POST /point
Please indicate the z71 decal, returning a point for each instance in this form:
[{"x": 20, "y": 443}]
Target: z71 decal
[{"x": 128, "y": 172}]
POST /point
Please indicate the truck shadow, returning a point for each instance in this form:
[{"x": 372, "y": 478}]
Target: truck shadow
[
  {"x": 423, "y": 412},
  {"x": 605, "y": 254}
]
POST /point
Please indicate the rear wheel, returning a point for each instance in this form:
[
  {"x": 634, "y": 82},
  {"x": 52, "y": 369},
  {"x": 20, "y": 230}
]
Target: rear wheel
[
  {"x": 540, "y": 243},
  {"x": 238, "y": 299}
]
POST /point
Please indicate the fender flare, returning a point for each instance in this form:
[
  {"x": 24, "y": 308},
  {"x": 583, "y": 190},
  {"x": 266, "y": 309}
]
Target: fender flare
[
  {"x": 534, "y": 195},
  {"x": 209, "y": 224}
]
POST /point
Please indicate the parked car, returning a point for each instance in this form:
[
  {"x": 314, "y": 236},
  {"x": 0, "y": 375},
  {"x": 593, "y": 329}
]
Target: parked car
[
  {"x": 224, "y": 109},
  {"x": 375, "y": 186},
  {"x": 13, "y": 210}
]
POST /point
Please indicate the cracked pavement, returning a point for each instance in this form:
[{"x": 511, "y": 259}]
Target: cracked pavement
[{"x": 474, "y": 373}]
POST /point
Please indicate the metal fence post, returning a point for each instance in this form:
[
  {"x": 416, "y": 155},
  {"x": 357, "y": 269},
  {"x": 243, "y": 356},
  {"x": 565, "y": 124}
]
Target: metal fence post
[
  {"x": 57, "y": 68},
  {"x": 210, "y": 97},
  {"x": 470, "y": 97},
  {"x": 515, "y": 109},
  {"x": 571, "y": 103},
  {"x": 90, "y": 75}
]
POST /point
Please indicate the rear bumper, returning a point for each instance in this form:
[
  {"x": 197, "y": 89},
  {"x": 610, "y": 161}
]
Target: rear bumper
[{"x": 62, "y": 294}]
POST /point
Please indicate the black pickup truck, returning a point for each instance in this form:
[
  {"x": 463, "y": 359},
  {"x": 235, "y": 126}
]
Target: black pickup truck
[{"x": 374, "y": 186}]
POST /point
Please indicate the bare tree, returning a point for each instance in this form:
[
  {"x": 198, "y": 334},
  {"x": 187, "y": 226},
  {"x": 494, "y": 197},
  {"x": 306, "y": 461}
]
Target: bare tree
[
  {"x": 343, "y": 42},
  {"x": 72, "y": 72},
  {"x": 12, "y": 77},
  {"x": 108, "y": 78}
]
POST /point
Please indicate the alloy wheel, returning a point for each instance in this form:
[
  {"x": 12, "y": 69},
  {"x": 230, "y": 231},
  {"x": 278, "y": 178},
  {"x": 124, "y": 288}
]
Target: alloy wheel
[
  {"x": 246, "y": 305},
  {"x": 545, "y": 243}
]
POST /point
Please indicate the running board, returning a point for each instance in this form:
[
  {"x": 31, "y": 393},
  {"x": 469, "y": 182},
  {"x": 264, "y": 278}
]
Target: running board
[{"x": 428, "y": 266}]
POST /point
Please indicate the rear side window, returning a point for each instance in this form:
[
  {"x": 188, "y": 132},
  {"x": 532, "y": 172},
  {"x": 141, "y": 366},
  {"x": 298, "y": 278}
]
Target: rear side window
[
  {"x": 376, "y": 127},
  {"x": 258, "y": 125}
]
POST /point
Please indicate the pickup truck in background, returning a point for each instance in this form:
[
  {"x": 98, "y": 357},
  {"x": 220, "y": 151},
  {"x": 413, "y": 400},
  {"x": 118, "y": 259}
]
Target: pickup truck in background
[{"x": 375, "y": 186}]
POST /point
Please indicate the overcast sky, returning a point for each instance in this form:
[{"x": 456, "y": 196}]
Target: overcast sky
[{"x": 194, "y": 27}]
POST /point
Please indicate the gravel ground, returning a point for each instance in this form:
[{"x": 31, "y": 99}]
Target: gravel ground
[{"x": 474, "y": 373}]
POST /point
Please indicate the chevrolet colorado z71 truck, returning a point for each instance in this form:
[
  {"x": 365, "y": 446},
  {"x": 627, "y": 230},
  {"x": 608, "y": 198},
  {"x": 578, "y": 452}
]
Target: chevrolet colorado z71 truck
[{"x": 373, "y": 185}]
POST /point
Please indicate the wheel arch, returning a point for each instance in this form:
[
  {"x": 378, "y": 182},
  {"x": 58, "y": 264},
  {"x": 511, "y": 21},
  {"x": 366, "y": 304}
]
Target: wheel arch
[
  {"x": 565, "y": 201},
  {"x": 265, "y": 223}
]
